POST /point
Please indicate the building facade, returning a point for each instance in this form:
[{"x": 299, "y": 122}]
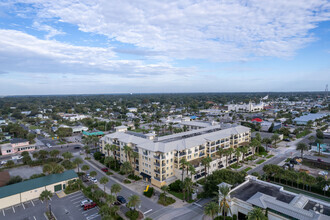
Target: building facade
[
  {"x": 159, "y": 157},
  {"x": 16, "y": 145}
]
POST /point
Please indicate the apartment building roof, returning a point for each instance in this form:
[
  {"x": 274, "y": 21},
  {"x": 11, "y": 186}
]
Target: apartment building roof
[
  {"x": 179, "y": 141},
  {"x": 18, "y": 140}
]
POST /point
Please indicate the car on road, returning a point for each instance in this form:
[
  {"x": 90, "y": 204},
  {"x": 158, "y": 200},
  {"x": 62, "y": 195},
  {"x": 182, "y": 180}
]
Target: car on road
[
  {"x": 121, "y": 199},
  {"x": 320, "y": 160},
  {"x": 105, "y": 169},
  {"x": 48, "y": 145},
  {"x": 89, "y": 205},
  {"x": 94, "y": 180},
  {"x": 77, "y": 147},
  {"x": 16, "y": 157},
  {"x": 86, "y": 201},
  {"x": 3, "y": 162},
  {"x": 323, "y": 173}
]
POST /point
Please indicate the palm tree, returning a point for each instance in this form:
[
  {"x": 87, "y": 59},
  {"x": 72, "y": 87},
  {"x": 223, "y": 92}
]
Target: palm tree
[
  {"x": 86, "y": 148},
  {"x": 187, "y": 184},
  {"x": 165, "y": 188},
  {"x": 238, "y": 154},
  {"x": 134, "y": 201},
  {"x": 192, "y": 170},
  {"x": 47, "y": 169},
  {"x": 108, "y": 160},
  {"x": 231, "y": 151},
  {"x": 127, "y": 151},
  {"x": 93, "y": 173},
  {"x": 319, "y": 142},
  {"x": 134, "y": 156},
  {"x": 107, "y": 147},
  {"x": 58, "y": 168},
  {"x": 54, "y": 153},
  {"x": 85, "y": 168},
  {"x": 126, "y": 167},
  {"x": 301, "y": 146},
  {"x": 67, "y": 155},
  {"x": 220, "y": 152},
  {"x": 226, "y": 153},
  {"x": 244, "y": 151},
  {"x": 211, "y": 209},
  {"x": 183, "y": 163},
  {"x": 206, "y": 163},
  {"x": 45, "y": 196},
  {"x": 77, "y": 162},
  {"x": 266, "y": 141},
  {"x": 223, "y": 195},
  {"x": 104, "y": 180},
  {"x": 256, "y": 214},
  {"x": 275, "y": 138},
  {"x": 115, "y": 188}
]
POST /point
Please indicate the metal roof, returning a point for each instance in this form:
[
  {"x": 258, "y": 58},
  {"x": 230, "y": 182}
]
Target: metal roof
[{"x": 32, "y": 184}]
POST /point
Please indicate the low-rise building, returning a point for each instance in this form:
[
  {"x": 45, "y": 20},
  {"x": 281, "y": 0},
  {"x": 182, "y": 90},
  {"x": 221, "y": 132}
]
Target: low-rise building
[
  {"x": 31, "y": 189},
  {"x": 16, "y": 145},
  {"x": 250, "y": 107},
  {"x": 303, "y": 120},
  {"x": 279, "y": 203},
  {"x": 159, "y": 157}
]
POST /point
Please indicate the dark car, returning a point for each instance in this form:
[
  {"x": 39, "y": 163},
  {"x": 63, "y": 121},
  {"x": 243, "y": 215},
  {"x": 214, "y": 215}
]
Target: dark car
[
  {"x": 121, "y": 199},
  {"x": 287, "y": 140},
  {"x": 77, "y": 147},
  {"x": 293, "y": 161},
  {"x": 105, "y": 169},
  {"x": 319, "y": 160}
]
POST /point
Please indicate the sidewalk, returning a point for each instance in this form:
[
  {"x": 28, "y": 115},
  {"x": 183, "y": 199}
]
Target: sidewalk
[{"x": 136, "y": 186}]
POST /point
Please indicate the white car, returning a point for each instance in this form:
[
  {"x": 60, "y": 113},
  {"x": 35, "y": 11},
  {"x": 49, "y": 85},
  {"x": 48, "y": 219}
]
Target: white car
[
  {"x": 323, "y": 173},
  {"x": 3, "y": 162},
  {"x": 94, "y": 180},
  {"x": 85, "y": 202},
  {"x": 48, "y": 145}
]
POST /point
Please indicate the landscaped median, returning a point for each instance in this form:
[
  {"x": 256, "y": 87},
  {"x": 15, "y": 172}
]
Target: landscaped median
[{"x": 260, "y": 161}]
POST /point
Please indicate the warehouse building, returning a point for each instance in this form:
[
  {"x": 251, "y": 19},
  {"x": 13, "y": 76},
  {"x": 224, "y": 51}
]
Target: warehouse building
[{"x": 31, "y": 189}]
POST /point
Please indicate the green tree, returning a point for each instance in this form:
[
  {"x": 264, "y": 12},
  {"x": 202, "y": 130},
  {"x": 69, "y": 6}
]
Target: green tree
[
  {"x": 54, "y": 153},
  {"x": 206, "y": 163},
  {"x": 128, "y": 150},
  {"x": 93, "y": 173},
  {"x": 77, "y": 162},
  {"x": 45, "y": 196},
  {"x": 183, "y": 165},
  {"x": 85, "y": 168},
  {"x": 237, "y": 154},
  {"x": 187, "y": 185},
  {"x": 244, "y": 151},
  {"x": 115, "y": 188},
  {"x": 256, "y": 214},
  {"x": 302, "y": 146},
  {"x": 134, "y": 201},
  {"x": 223, "y": 196},
  {"x": 211, "y": 209},
  {"x": 47, "y": 169},
  {"x": 126, "y": 167},
  {"x": 58, "y": 168},
  {"x": 104, "y": 180},
  {"x": 107, "y": 147},
  {"x": 319, "y": 142},
  {"x": 10, "y": 163},
  {"x": 275, "y": 138},
  {"x": 67, "y": 155}
]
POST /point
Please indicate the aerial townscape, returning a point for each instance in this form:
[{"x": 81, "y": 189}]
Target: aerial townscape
[{"x": 164, "y": 110}]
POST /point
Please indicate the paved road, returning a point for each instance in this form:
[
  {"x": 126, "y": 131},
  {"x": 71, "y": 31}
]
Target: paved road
[
  {"x": 147, "y": 205},
  {"x": 281, "y": 153}
]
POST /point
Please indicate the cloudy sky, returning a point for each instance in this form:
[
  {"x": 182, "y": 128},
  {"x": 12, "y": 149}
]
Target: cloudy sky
[{"x": 102, "y": 46}]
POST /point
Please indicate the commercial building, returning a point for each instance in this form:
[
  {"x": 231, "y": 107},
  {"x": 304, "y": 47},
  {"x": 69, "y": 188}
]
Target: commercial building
[
  {"x": 250, "y": 107},
  {"x": 159, "y": 157},
  {"x": 279, "y": 203},
  {"x": 16, "y": 145},
  {"x": 31, "y": 189},
  {"x": 193, "y": 125},
  {"x": 303, "y": 120}
]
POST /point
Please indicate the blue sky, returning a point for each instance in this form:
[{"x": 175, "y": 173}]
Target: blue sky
[{"x": 71, "y": 47}]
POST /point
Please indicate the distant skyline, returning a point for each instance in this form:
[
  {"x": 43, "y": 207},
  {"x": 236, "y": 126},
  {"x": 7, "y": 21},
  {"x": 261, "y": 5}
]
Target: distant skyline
[{"x": 100, "y": 47}]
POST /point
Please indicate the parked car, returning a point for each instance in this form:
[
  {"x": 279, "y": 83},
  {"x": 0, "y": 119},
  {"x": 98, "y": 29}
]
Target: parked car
[
  {"x": 16, "y": 157},
  {"x": 3, "y": 162},
  {"x": 77, "y": 147},
  {"x": 320, "y": 160},
  {"x": 287, "y": 140},
  {"x": 86, "y": 201},
  {"x": 323, "y": 173},
  {"x": 105, "y": 169},
  {"x": 89, "y": 205},
  {"x": 121, "y": 199},
  {"x": 48, "y": 145},
  {"x": 94, "y": 180}
]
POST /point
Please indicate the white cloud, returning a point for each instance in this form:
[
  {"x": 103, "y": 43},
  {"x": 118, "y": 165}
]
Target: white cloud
[
  {"x": 51, "y": 32},
  {"x": 224, "y": 30},
  {"x": 21, "y": 52}
]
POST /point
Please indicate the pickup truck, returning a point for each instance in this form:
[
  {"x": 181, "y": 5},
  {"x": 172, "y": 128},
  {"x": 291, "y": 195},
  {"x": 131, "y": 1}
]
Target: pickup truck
[{"x": 89, "y": 205}]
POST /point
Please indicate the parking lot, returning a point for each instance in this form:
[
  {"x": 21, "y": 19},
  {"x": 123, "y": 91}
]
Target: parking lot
[{"x": 67, "y": 207}]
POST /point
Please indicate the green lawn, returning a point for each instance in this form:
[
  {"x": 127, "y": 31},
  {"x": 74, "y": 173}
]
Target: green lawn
[
  {"x": 270, "y": 156},
  {"x": 235, "y": 166},
  {"x": 179, "y": 195},
  {"x": 260, "y": 161},
  {"x": 247, "y": 169}
]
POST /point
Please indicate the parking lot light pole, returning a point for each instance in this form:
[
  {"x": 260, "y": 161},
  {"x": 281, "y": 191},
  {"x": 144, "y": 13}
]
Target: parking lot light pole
[{"x": 50, "y": 210}]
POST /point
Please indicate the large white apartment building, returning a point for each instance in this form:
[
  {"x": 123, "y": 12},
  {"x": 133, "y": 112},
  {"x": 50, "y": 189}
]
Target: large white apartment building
[
  {"x": 159, "y": 157},
  {"x": 250, "y": 107}
]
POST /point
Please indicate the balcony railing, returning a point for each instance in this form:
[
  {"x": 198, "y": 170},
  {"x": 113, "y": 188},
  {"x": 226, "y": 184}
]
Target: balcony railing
[
  {"x": 202, "y": 148},
  {"x": 136, "y": 150},
  {"x": 157, "y": 164},
  {"x": 157, "y": 178},
  {"x": 159, "y": 157},
  {"x": 202, "y": 154},
  {"x": 157, "y": 171}
]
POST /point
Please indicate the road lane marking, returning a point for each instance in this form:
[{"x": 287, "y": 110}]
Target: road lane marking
[
  {"x": 50, "y": 198},
  {"x": 195, "y": 203},
  {"x": 150, "y": 210}
]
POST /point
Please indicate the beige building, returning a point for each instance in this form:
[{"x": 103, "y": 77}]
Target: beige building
[
  {"x": 31, "y": 189},
  {"x": 159, "y": 157}
]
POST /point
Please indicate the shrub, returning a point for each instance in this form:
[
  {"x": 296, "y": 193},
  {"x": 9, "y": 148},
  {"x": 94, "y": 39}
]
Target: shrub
[
  {"x": 165, "y": 200},
  {"x": 109, "y": 173},
  {"x": 256, "y": 174},
  {"x": 176, "y": 186},
  {"x": 132, "y": 214},
  {"x": 234, "y": 217},
  {"x": 126, "y": 181},
  {"x": 262, "y": 149},
  {"x": 134, "y": 177},
  {"x": 223, "y": 218},
  {"x": 67, "y": 164},
  {"x": 15, "y": 179},
  {"x": 37, "y": 175},
  {"x": 97, "y": 155},
  {"x": 149, "y": 193}
]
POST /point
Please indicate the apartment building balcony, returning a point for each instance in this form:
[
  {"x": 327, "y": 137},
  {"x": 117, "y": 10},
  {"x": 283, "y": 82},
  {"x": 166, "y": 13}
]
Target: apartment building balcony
[
  {"x": 159, "y": 157},
  {"x": 145, "y": 153},
  {"x": 163, "y": 177},
  {"x": 201, "y": 154},
  {"x": 157, "y": 171},
  {"x": 157, "y": 178},
  {"x": 189, "y": 152},
  {"x": 136, "y": 149},
  {"x": 201, "y": 147},
  {"x": 180, "y": 154},
  {"x": 157, "y": 164}
]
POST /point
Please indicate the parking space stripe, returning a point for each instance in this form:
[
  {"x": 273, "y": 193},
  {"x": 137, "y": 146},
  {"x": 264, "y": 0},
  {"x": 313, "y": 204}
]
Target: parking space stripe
[
  {"x": 34, "y": 218},
  {"x": 76, "y": 198},
  {"x": 50, "y": 198},
  {"x": 32, "y": 202},
  {"x": 23, "y": 206},
  {"x": 3, "y": 212},
  {"x": 76, "y": 202},
  {"x": 88, "y": 210},
  {"x": 70, "y": 197},
  {"x": 41, "y": 201},
  {"x": 92, "y": 216},
  {"x": 13, "y": 209}
]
